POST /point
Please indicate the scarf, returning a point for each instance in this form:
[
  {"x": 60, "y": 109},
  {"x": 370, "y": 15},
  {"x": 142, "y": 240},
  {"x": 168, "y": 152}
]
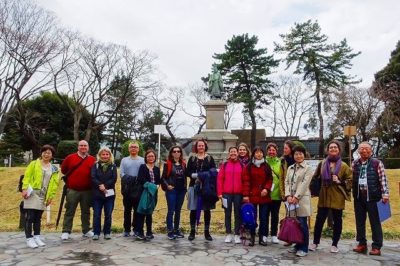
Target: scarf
[
  {"x": 326, "y": 170},
  {"x": 244, "y": 160},
  {"x": 257, "y": 163},
  {"x": 104, "y": 165},
  {"x": 289, "y": 160}
]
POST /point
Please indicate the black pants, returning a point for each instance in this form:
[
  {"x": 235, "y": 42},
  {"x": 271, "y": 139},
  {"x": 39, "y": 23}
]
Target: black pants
[
  {"x": 32, "y": 219},
  {"x": 140, "y": 223},
  {"x": 236, "y": 201},
  {"x": 273, "y": 210},
  {"x": 322, "y": 214},
  {"x": 207, "y": 219},
  {"x": 361, "y": 208},
  {"x": 129, "y": 220}
]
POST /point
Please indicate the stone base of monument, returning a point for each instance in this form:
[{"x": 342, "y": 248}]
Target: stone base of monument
[{"x": 218, "y": 138}]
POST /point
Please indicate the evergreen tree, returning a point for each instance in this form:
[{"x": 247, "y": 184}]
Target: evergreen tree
[
  {"x": 321, "y": 64},
  {"x": 245, "y": 69}
]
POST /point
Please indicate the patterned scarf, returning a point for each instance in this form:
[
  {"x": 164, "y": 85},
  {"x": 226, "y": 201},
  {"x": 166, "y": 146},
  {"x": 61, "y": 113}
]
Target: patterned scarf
[{"x": 327, "y": 172}]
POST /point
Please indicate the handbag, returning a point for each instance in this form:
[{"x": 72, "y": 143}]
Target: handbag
[
  {"x": 315, "y": 186},
  {"x": 290, "y": 229}
]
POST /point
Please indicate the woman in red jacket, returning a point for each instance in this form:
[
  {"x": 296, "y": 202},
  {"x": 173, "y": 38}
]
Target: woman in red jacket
[
  {"x": 229, "y": 188},
  {"x": 257, "y": 183}
]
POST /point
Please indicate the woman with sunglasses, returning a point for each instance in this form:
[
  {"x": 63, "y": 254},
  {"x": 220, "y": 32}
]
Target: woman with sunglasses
[{"x": 173, "y": 182}]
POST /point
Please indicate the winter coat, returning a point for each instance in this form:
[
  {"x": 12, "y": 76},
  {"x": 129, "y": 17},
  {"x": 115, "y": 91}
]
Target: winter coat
[
  {"x": 297, "y": 183},
  {"x": 107, "y": 178},
  {"x": 229, "y": 180},
  {"x": 330, "y": 195},
  {"x": 254, "y": 180}
]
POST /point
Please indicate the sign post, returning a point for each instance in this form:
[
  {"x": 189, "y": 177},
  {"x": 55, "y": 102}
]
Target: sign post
[
  {"x": 159, "y": 129},
  {"x": 350, "y": 131}
]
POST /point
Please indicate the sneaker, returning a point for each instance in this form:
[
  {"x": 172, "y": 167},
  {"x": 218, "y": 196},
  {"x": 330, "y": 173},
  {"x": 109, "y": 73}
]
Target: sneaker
[
  {"x": 95, "y": 237},
  {"x": 171, "y": 236},
  {"x": 237, "y": 239},
  {"x": 375, "y": 252},
  {"x": 228, "y": 238},
  {"x": 301, "y": 253},
  {"x": 88, "y": 234},
  {"x": 292, "y": 250},
  {"x": 274, "y": 240},
  {"x": 313, "y": 247},
  {"x": 149, "y": 235},
  {"x": 140, "y": 237},
  {"x": 30, "y": 242},
  {"x": 263, "y": 241},
  {"x": 64, "y": 236},
  {"x": 107, "y": 236},
  {"x": 39, "y": 241},
  {"x": 334, "y": 249},
  {"x": 178, "y": 234},
  {"x": 126, "y": 234}
]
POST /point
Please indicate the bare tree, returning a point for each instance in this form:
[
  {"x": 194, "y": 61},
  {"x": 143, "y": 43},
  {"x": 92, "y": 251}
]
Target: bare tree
[
  {"x": 354, "y": 106},
  {"x": 28, "y": 43},
  {"x": 288, "y": 112},
  {"x": 92, "y": 67}
]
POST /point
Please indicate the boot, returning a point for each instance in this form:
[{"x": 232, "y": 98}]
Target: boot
[
  {"x": 207, "y": 235},
  {"x": 252, "y": 240},
  {"x": 192, "y": 235}
]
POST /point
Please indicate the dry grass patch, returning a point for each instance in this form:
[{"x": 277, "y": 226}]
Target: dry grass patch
[{"x": 10, "y": 199}]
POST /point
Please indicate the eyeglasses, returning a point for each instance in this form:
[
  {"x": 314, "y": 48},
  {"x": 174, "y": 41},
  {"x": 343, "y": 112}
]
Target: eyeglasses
[{"x": 176, "y": 151}]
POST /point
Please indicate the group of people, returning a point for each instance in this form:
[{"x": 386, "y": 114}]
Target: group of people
[{"x": 258, "y": 177}]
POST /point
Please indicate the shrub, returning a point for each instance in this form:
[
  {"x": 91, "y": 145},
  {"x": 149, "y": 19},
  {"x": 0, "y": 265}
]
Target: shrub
[{"x": 66, "y": 147}]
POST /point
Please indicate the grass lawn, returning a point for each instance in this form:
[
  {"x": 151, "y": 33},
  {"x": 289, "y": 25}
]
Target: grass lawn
[{"x": 10, "y": 199}]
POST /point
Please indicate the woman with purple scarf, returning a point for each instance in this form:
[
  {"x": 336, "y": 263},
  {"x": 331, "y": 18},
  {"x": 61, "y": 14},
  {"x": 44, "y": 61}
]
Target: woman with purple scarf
[{"x": 336, "y": 181}]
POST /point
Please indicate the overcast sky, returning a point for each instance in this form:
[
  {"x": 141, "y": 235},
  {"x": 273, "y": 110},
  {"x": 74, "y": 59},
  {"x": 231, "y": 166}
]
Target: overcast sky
[{"x": 184, "y": 34}]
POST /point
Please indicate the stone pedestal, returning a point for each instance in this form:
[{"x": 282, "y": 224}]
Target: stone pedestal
[{"x": 218, "y": 138}]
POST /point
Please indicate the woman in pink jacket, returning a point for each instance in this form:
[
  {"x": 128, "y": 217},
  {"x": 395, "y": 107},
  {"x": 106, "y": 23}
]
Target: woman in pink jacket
[{"x": 229, "y": 188}]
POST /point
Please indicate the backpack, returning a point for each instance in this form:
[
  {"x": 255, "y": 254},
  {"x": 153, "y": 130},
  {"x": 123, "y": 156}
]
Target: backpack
[
  {"x": 20, "y": 183},
  {"x": 249, "y": 216}
]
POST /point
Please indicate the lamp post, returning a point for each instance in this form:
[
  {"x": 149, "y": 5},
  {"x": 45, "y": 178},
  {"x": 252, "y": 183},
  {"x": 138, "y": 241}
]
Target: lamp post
[
  {"x": 159, "y": 129},
  {"x": 350, "y": 131}
]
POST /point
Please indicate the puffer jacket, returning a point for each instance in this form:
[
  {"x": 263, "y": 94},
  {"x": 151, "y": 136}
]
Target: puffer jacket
[{"x": 229, "y": 180}]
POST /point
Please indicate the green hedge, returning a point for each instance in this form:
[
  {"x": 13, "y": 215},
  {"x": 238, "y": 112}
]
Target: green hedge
[
  {"x": 391, "y": 163},
  {"x": 66, "y": 147}
]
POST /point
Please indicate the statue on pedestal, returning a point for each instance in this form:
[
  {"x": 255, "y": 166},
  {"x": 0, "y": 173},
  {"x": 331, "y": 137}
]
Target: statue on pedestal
[{"x": 215, "y": 85}]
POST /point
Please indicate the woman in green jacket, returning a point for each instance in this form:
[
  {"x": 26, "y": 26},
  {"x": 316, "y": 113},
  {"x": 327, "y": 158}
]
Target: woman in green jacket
[
  {"x": 39, "y": 187},
  {"x": 276, "y": 195}
]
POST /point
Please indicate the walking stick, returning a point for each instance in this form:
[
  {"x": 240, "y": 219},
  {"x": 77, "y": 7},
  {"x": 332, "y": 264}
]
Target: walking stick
[{"x": 63, "y": 195}]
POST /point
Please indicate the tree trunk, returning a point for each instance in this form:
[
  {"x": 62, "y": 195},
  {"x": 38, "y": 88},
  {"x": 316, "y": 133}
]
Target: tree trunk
[
  {"x": 77, "y": 120},
  {"x": 321, "y": 120},
  {"x": 253, "y": 127}
]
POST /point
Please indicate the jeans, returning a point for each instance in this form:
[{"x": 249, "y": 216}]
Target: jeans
[
  {"x": 175, "y": 200},
  {"x": 236, "y": 201},
  {"x": 32, "y": 219},
  {"x": 129, "y": 220},
  {"x": 304, "y": 229},
  {"x": 273, "y": 210},
  {"x": 337, "y": 224},
  {"x": 108, "y": 205},
  {"x": 362, "y": 207},
  {"x": 262, "y": 214},
  {"x": 84, "y": 198}
]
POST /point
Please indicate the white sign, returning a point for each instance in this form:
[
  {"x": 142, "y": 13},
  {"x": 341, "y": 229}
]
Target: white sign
[{"x": 160, "y": 129}]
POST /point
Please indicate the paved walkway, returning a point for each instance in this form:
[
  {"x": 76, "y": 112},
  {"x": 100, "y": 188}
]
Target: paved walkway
[{"x": 161, "y": 251}]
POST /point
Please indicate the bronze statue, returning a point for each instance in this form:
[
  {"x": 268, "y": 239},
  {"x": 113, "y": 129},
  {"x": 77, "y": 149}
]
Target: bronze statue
[{"x": 215, "y": 85}]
